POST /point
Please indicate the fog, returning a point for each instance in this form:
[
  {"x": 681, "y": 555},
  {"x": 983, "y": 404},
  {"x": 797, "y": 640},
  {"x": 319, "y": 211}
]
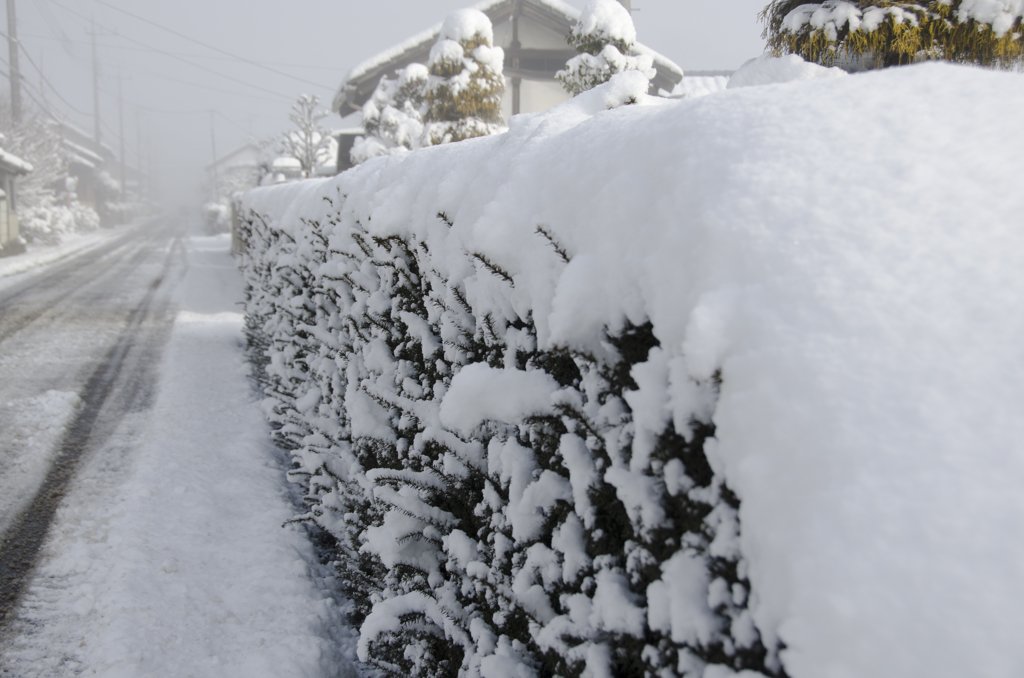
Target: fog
[{"x": 164, "y": 57}]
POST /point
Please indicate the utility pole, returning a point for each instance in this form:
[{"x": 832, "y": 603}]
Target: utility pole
[
  {"x": 95, "y": 85},
  {"x": 95, "y": 81},
  {"x": 120, "y": 116},
  {"x": 138, "y": 152},
  {"x": 213, "y": 145},
  {"x": 12, "y": 49}
]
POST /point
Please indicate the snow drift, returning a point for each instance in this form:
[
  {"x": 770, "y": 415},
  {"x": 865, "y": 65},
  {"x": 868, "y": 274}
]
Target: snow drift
[{"x": 755, "y": 382}]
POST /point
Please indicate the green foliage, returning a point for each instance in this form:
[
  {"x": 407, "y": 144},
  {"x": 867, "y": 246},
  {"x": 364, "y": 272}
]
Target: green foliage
[
  {"x": 463, "y": 97},
  {"x": 593, "y": 43},
  {"x": 909, "y": 32},
  {"x": 601, "y": 55}
]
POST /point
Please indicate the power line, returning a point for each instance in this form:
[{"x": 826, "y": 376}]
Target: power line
[
  {"x": 43, "y": 76},
  {"x": 211, "y": 47},
  {"x": 54, "y": 25},
  {"x": 190, "y": 55},
  {"x": 136, "y": 69},
  {"x": 173, "y": 56}
]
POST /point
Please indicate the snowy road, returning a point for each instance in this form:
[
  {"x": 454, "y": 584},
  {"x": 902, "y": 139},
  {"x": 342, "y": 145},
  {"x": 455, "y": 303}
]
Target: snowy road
[
  {"x": 78, "y": 343},
  {"x": 141, "y": 504}
]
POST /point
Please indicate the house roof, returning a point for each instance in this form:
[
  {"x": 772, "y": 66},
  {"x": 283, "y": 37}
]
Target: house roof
[
  {"x": 224, "y": 159},
  {"x": 12, "y": 164},
  {"x": 81, "y": 155},
  {"x": 71, "y": 132},
  {"x": 360, "y": 82}
]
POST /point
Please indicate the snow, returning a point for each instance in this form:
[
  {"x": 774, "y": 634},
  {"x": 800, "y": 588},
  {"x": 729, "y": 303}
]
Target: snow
[
  {"x": 175, "y": 563},
  {"x": 30, "y": 445},
  {"x": 1000, "y": 14},
  {"x": 856, "y": 286},
  {"x": 608, "y": 18},
  {"x": 767, "y": 70},
  {"x": 37, "y": 255},
  {"x": 480, "y": 392},
  {"x": 466, "y": 24},
  {"x": 693, "y": 86},
  {"x": 15, "y": 163}
]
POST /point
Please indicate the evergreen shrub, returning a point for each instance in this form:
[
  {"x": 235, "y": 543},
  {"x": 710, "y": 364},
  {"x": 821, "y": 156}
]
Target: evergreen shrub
[
  {"x": 557, "y": 543},
  {"x": 879, "y": 33}
]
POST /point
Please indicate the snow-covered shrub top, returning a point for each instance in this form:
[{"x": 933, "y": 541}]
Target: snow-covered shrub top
[
  {"x": 987, "y": 32},
  {"x": 766, "y": 70},
  {"x": 835, "y": 16},
  {"x": 604, "y": 36},
  {"x": 606, "y": 19},
  {"x": 465, "y": 86},
  {"x": 393, "y": 117},
  {"x": 1001, "y": 15},
  {"x": 644, "y": 389},
  {"x": 465, "y": 25}
]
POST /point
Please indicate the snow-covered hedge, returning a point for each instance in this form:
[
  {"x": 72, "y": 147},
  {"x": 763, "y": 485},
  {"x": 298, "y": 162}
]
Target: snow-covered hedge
[{"x": 681, "y": 388}]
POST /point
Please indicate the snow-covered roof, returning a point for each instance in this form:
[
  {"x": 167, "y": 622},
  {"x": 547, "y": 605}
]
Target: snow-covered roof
[
  {"x": 83, "y": 139},
  {"x": 82, "y": 155},
  {"x": 224, "y": 159},
  {"x": 13, "y": 164},
  {"x": 378, "y": 65}
]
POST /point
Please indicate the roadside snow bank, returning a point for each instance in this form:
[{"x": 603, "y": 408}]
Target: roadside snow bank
[
  {"x": 785, "y": 324},
  {"x": 41, "y": 255}
]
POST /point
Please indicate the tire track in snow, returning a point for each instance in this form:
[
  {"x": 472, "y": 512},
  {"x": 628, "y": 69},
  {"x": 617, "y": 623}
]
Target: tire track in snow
[
  {"x": 147, "y": 330},
  {"x": 29, "y": 301}
]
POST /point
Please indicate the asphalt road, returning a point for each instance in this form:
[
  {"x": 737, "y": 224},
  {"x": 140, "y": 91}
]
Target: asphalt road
[{"x": 87, "y": 332}]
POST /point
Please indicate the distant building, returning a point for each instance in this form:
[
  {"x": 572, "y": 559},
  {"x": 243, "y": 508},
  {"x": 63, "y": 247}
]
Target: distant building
[
  {"x": 11, "y": 167},
  {"x": 235, "y": 171},
  {"x": 533, "y": 35}
]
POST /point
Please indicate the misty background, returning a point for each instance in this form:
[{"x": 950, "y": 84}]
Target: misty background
[{"x": 248, "y": 60}]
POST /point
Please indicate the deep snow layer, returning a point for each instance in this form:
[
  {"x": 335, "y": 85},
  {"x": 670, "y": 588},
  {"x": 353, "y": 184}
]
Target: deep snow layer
[
  {"x": 849, "y": 254},
  {"x": 170, "y": 557}
]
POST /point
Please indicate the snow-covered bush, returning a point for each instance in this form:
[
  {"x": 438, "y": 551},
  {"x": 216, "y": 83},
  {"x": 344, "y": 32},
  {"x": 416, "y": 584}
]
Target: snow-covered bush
[
  {"x": 465, "y": 86},
  {"x": 684, "y": 388},
  {"x": 877, "y": 33},
  {"x": 604, "y": 36},
  {"x": 393, "y": 117},
  {"x": 45, "y": 219},
  {"x": 495, "y": 500}
]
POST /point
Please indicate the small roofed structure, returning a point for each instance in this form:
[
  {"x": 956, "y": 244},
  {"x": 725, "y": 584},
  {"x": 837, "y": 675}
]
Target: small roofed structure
[
  {"x": 11, "y": 167},
  {"x": 533, "y": 36}
]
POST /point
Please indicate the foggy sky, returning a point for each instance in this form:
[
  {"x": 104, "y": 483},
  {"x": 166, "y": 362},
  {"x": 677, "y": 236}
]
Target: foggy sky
[{"x": 168, "y": 93}]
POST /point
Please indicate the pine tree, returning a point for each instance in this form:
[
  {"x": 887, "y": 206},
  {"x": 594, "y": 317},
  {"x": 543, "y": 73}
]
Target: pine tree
[
  {"x": 604, "y": 36},
  {"x": 881, "y": 33},
  {"x": 466, "y": 84}
]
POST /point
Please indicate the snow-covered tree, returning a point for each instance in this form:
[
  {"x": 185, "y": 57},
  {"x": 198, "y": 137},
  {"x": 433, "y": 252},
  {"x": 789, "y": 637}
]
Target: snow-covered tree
[
  {"x": 604, "y": 36},
  {"x": 880, "y": 33},
  {"x": 47, "y": 203},
  {"x": 466, "y": 84},
  {"x": 309, "y": 142},
  {"x": 393, "y": 117}
]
